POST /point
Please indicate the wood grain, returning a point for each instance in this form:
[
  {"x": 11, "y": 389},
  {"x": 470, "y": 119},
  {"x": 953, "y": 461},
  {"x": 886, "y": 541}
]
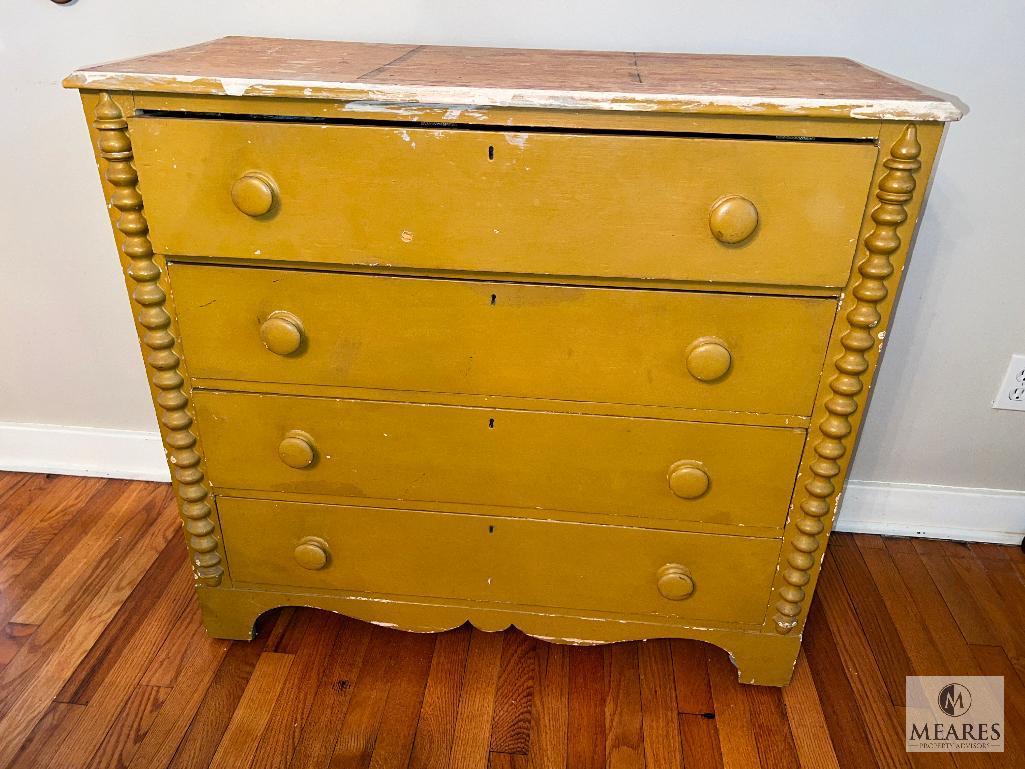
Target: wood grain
[
  {"x": 290, "y": 711},
  {"x": 658, "y": 700},
  {"x": 432, "y": 745},
  {"x": 606, "y": 80},
  {"x": 333, "y": 694},
  {"x": 238, "y": 746},
  {"x": 477, "y": 701},
  {"x": 147, "y": 689},
  {"x": 624, "y": 726}
]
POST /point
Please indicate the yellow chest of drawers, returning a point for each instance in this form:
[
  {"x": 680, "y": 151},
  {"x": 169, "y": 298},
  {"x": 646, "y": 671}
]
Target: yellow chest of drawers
[{"x": 576, "y": 342}]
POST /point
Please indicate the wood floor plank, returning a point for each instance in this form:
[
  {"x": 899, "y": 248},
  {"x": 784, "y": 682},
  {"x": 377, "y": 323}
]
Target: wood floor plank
[
  {"x": 941, "y": 547},
  {"x": 1000, "y": 617},
  {"x": 514, "y": 693},
  {"x": 585, "y": 747},
  {"x": 205, "y": 729},
  {"x": 990, "y": 550},
  {"x": 12, "y": 637},
  {"x": 358, "y": 731},
  {"x": 732, "y": 715},
  {"x": 699, "y": 740},
  {"x": 39, "y": 690},
  {"x": 1010, "y": 587},
  {"x": 868, "y": 541},
  {"x": 658, "y": 703},
  {"x": 289, "y": 630},
  {"x": 847, "y": 728},
  {"x": 93, "y": 669},
  {"x": 432, "y": 745},
  {"x": 87, "y": 551},
  {"x": 128, "y": 730},
  {"x": 993, "y": 661},
  {"x": 921, "y": 649},
  {"x": 550, "y": 715},
  {"x": 288, "y": 717},
  {"x": 690, "y": 672},
  {"x": 170, "y": 658},
  {"x": 333, "y": 693},
  {"x": 886, "y": 734},
  {"x": 10, "y": 483},
  {"x": 48, "y": 733},
  {"x": 942, "y": 626},
  {"x": 506, "y": 760},
  {"x": 807, "y": 721},
  {"x": 624, "y": 726},
  {"x": 45, "y": 511},
  {"x": 41, "y": 550},
  {"x": 405, "y": 697},
  {"x": 887, "y": 647},
  {"x": 775, "y": 743},
  {"x": 963, "y": 607},
  {"x": 119, "y": 571},
  {"x": 238, "y": 745},
  {"x": 472, "y": 735},
  {"x": 127, "y": 671},
  {"x": 192, "y": 683}
]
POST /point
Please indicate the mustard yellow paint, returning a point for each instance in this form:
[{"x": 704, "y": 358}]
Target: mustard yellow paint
[
  {"x": 528, "y": 341},
  {"x": 514, "y": 459},
  {"x": 516, "y": 202},
  {"x": 554, "y": 566}
]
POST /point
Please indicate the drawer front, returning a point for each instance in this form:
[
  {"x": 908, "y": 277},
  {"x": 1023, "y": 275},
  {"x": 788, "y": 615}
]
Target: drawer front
[
  {"x": 528, "y": 203},
  {"x": 722, "y": 474},
  {"x": 498, "y": 559},
  {"x": 752, "y": 354}
]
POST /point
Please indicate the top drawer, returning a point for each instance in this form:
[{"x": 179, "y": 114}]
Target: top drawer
[{"x": 603, "y": 205}]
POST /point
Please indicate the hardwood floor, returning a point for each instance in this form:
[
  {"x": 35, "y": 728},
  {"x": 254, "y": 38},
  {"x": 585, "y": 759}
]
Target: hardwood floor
[{"x": 103, "y": 663}]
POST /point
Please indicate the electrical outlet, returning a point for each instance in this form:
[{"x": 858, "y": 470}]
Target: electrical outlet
[{"x": 1012, "y": 390}]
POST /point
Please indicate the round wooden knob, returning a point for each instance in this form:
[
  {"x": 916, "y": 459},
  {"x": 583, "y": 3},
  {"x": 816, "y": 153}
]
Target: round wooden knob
[
  {"x": 282, "y": 333},
  {"x": 297, "y": 449},
  {"x": 688, "y": 479},
  {"x": 312, "y": 553},
  {"x": 708, "y": 359},
  {"x": 675, "y": 582},
  {"x": 732, "y": 219},
  {"x": 254, "y": 194}
]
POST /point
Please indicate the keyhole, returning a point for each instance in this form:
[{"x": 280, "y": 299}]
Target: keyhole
[
  {"x": 491, "y": 152},
  {"x": 491, "y": 424},
  {"x": 494, "y": 298}
]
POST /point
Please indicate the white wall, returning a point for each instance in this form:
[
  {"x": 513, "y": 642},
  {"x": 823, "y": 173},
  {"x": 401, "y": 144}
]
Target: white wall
[{"x": 67, "y": 346}]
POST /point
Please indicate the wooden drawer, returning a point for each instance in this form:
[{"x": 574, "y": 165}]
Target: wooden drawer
[
  {"x": 585, "y": 204},
  {"x": 497, "y": 559},
  {"x": 562, "y": 343},
  {"x": 571, "y": 462}
]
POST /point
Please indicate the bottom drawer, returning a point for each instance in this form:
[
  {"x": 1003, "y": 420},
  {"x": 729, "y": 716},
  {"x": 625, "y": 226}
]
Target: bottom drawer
[{"x": 495, "y": 559}]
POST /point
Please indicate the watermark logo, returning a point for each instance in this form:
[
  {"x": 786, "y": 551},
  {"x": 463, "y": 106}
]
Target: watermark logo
[
  {"x": 954, "y": 715},
  {"x": 955, "y": 700}
]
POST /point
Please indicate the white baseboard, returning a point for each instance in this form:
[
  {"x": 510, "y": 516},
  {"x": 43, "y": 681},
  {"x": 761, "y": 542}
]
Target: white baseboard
[
  {"x": 90, "y": 451},
  {"x": 936, "y": 512},
  {"x": 897, "y": 509}
]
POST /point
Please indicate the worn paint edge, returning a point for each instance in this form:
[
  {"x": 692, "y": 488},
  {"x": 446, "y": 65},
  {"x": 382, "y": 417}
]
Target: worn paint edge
[{"x": 473, "y": 97}]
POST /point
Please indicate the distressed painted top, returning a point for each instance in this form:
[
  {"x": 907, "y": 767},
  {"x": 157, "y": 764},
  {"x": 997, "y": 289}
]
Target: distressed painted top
[{"x": 507, "y": 77}]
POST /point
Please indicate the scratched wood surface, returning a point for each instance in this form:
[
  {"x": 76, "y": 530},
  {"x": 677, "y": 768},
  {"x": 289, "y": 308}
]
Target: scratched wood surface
[
  {"x": 104, "y": 663},
  {"x": 426, "y": 74}
]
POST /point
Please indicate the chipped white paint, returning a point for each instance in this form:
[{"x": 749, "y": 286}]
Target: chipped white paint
[
  {"x": 461, "y": 100},
  {"x": 517, "y": 140}
]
